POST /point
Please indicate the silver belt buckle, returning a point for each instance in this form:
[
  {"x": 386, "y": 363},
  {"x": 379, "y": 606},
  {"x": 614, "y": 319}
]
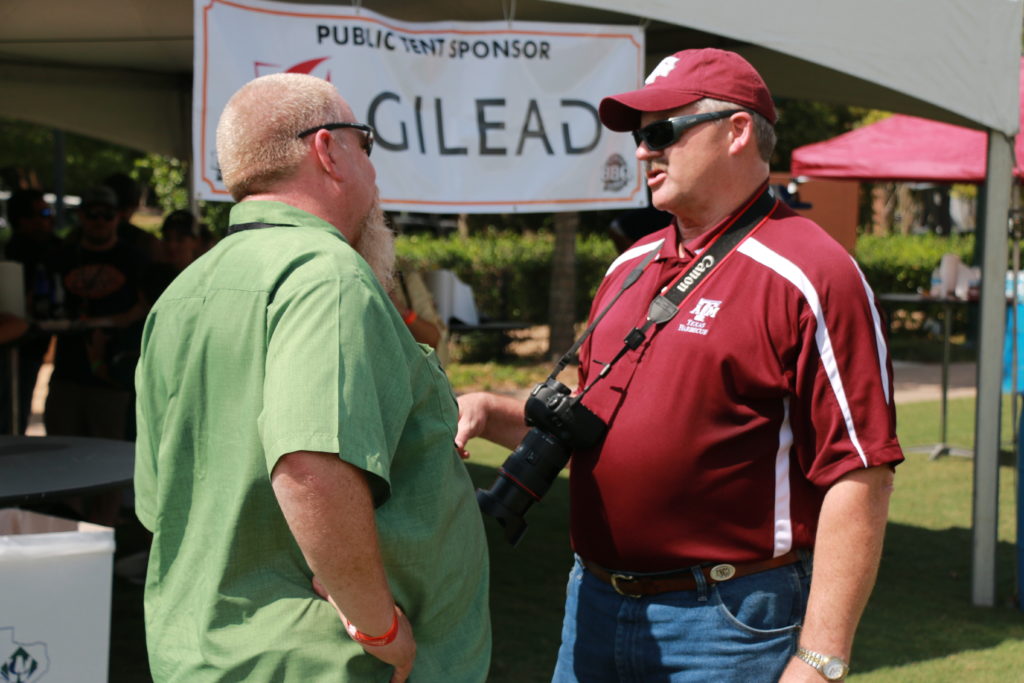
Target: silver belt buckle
[
  {"x": 722, "y": 572},
  {"x": 615, "y": 578}
]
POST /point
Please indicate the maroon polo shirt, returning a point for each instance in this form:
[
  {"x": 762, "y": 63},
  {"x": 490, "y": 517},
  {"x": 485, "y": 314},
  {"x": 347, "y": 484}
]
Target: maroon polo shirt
[{"x": 730, "y": 422}]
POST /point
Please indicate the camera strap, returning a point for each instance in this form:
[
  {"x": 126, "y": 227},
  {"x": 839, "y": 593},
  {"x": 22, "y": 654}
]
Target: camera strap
[
  {"x": 668, "y": 302},
  {"x": 633, "y": 276}
]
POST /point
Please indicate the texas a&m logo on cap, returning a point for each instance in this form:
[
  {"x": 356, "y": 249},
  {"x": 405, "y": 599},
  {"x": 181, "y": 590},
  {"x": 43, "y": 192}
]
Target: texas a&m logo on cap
[{"x": 664, "y": 68}]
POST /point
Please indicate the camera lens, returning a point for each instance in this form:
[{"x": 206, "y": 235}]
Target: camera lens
[
  {"x": 492, "y": 502},
  {"x": 523, "y": 480}
]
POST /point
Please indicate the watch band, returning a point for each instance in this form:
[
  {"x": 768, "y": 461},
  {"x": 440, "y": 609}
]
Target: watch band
[{"x": 830, "y": 667}]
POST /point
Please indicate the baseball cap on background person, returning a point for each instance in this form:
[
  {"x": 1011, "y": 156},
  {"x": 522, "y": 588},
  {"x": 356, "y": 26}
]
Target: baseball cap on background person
[
  {"x": 180, "y": 222},
  {"x": 97, "y": 226},
  {"x": 686, "y": 77},
  {"x": 99, "y": 195}
]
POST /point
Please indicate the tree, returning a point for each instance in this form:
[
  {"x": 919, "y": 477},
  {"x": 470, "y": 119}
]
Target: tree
[
  {"x": 27, "y": 157},
  {"x": 27, "y": 160},
  {"x": 802, "y": 122}
]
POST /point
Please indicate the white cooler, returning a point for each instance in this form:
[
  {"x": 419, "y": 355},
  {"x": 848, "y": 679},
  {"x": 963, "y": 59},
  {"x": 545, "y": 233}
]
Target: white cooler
[{"x": 55, "y": 589}]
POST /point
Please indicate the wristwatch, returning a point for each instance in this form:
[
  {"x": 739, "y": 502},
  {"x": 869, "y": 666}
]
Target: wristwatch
[{"x": 832, "y": 668}]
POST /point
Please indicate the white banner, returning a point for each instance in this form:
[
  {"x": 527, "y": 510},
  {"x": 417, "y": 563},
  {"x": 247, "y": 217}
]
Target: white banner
[{"x": 470, "y": 117}]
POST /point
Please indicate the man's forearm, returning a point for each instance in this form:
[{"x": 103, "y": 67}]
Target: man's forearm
[
  {"x": 329, "y": 509},
  {"x": 489, "y": 416},
  {"x": 847, "y": 552}
]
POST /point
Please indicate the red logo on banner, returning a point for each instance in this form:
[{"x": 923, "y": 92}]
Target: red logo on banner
[{"x": 306, "y": 67}]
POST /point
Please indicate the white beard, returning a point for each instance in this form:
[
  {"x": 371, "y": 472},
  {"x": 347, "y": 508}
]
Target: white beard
[{"x": 377, "y": 245}]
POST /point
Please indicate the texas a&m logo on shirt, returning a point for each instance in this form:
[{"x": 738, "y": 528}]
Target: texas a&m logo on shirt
[{"x": 699, "y": 320}]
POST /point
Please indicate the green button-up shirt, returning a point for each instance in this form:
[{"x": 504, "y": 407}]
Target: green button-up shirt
[{"x": 278, "y": 340}]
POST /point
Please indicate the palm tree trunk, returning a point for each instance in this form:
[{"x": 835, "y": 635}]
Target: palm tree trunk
[{"x": 562, "y": 313}]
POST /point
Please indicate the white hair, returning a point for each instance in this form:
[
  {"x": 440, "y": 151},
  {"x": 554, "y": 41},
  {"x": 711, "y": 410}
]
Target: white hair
[
  {"x": 257, "y": 136},
  {"x": 764, "y": 131}
]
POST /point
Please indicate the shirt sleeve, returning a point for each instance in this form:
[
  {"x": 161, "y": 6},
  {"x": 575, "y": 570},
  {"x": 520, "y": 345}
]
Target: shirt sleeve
[
  {"x": 148, "y": 385},
  {"x": 843, "y": 409},
  {"x": 335, "y": 374}
]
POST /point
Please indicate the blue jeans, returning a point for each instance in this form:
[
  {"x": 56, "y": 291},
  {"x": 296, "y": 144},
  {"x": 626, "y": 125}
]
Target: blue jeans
[{"x": 742, "y": 630}]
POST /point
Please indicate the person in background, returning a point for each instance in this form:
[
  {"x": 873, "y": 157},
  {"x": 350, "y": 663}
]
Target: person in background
[
  {"x": 129, "y": 197},
  {"x": 90, "y": 388},
  {"x": 629, "y": 226},
  {"x": 730, "y": 518},
  {"x": 36, "y": 248},
  {"x": 290, "y": 427},
  {"x": 12, "y": 328},
  {"x": 179, "y": 237},
  {"x": 415, "y": 303}
]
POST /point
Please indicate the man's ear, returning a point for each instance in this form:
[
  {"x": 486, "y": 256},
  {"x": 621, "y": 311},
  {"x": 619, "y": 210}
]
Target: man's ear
[
  {"x": 327, "y": 152},
  {"x": 741, "y": 132}
]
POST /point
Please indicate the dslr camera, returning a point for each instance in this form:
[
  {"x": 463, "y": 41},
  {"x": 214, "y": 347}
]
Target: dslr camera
[{"x": 559, "y": 424}]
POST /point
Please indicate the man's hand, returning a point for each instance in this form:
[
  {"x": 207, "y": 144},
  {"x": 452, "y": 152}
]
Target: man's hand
[
  {"x": 495, "y": 418},
  {"x": 851, "y": 527},
  {"x": 472, "y": 420},
  {"x": 329, "y": 509},
  {"x": 399, "y": 653},
  {"x": 798, "y": 671}
]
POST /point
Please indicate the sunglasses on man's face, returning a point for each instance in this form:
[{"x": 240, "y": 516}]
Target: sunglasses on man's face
[
  {"x": 99, "y": 215},
  {"x": 665, "y": 133},
  {"x": 366, "y": 130}
]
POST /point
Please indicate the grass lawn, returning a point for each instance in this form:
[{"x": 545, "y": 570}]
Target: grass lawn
[{"x": 919, "y": 625}]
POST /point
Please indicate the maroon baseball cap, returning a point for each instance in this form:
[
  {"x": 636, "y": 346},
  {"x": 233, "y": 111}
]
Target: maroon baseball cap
[{"x": 686, "y": 77}]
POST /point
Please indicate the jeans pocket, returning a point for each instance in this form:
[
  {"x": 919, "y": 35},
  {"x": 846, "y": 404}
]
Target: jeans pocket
[
  {"x": 767, "y": 603},
  {"x": 575, "y": 576}
]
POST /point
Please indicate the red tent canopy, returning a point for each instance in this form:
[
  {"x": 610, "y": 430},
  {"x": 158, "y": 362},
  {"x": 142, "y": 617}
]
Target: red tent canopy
[{"x": 904, "y": 148}]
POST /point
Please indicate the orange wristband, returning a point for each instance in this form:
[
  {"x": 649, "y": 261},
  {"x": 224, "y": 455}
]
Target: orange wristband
[
  {"x": 373, "y": 641},
  {"x": 410, "y": 317}
]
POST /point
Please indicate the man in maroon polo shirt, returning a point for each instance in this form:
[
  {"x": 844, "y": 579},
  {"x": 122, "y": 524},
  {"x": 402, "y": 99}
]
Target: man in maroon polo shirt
[{"x": 752, "y": 429}]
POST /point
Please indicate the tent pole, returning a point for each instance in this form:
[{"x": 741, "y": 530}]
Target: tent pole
[
  {"x": 189, "y": 156},
  {"x": 1015, "y": 235},
  {"x": 999, "y": 174},
  {"x": 59, "y": 169}
]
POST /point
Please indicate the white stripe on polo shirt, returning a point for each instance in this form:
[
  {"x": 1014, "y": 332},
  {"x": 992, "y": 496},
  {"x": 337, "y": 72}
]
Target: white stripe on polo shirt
[
  {"x": 632, "y": 253},
  {"x": 783, "y": 517},
  {"x": 880, "y": 345},
  {"x": 789, "y": 270}
]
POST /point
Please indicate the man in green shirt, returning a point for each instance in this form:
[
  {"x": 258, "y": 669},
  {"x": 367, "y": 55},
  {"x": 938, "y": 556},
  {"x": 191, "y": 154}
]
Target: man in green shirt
[{"x": 290, "y": 426}]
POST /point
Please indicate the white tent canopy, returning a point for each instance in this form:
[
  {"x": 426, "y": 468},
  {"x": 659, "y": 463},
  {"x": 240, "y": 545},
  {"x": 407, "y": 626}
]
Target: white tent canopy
[
  {"x": 955, "y": 57},
  {"x": 121, "y": 71}
]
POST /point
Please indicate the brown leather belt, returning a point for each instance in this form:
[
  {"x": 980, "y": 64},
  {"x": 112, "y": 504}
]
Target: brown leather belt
[{"x": 684, "y": 580}]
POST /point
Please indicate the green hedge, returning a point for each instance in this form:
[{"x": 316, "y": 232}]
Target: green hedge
[
  {"x": 510, "y": 273},
  {"x": 904, "y": 263}
]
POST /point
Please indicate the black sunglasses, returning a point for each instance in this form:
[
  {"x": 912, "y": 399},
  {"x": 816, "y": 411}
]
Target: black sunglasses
[
  {"x": 664, "y": 133},
  {"x": 99, "y": 214},
  {"x": 367, "y": 132}
]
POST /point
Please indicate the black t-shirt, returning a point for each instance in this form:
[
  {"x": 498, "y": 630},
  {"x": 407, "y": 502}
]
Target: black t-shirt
[{"x": 98, "y": 284}]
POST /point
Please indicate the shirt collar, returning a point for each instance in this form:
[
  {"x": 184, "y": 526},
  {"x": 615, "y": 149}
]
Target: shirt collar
[
  {"x": 696, "y": 246},
  {"x": 260, "y": 210}
]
